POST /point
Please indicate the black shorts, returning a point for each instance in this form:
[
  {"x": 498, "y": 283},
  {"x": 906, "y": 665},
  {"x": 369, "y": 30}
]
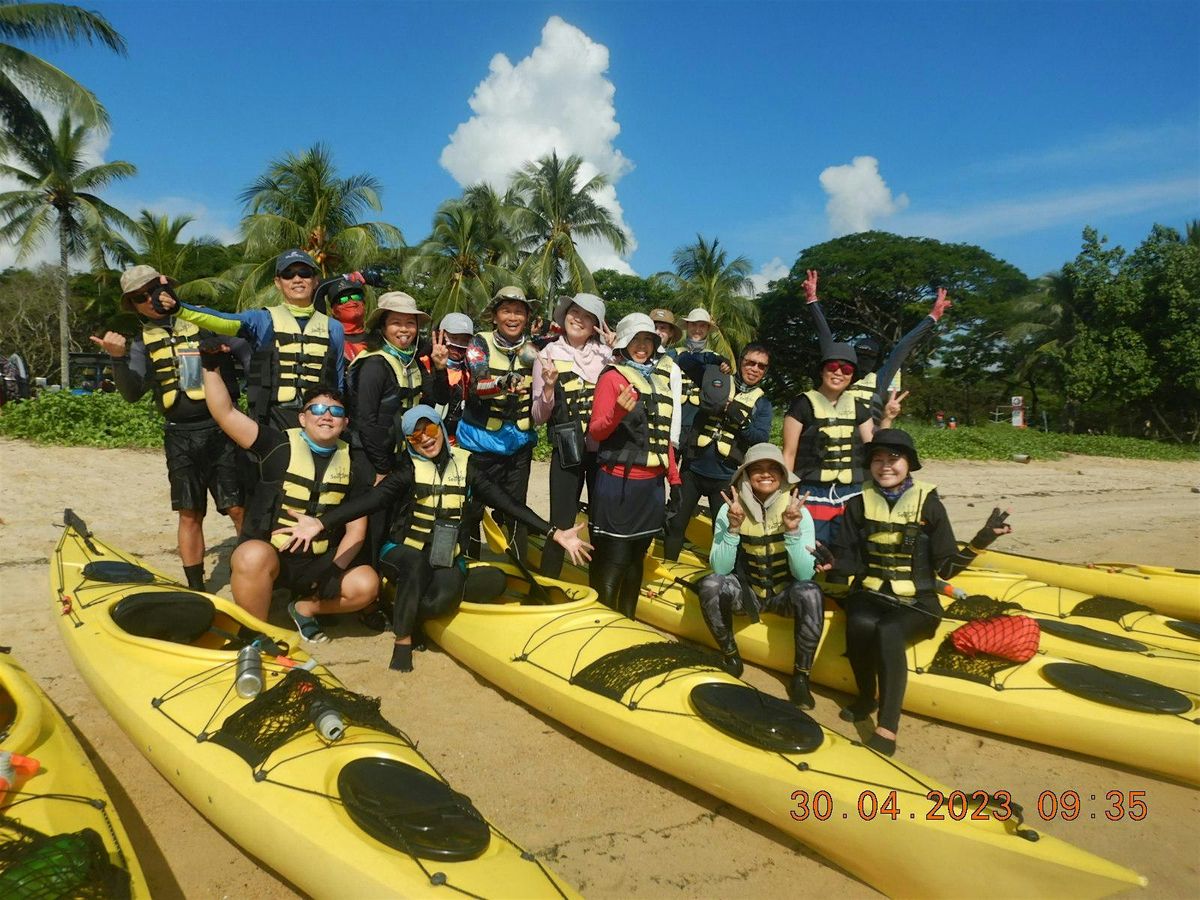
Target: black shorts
[
  {"x": 310, "y": 576},
  {"x": 201, "y": 460}
]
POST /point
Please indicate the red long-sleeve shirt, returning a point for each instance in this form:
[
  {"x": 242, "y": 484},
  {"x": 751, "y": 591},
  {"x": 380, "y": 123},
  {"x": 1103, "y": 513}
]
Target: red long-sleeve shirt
[{"x": 607, "y": 415}]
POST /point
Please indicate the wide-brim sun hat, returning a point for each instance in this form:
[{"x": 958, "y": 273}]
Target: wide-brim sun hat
[
  {"x": 765, "y": 452},
  {"x": 897, "y": 440},
  {"x": 633, "y": 325},
  {"x": 667, "y": 317},
  {"x": 397, "y": 302},
  {"x": 509, "y": 292},
  {"x": 589, "y": 303},
  {"x": 135, "y": 279}
]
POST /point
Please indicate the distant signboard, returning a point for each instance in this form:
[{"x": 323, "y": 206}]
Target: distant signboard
[{"x": 1018, "y": 412}]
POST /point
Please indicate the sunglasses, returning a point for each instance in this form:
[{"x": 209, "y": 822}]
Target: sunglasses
[
  {"x": 430, "y": 431},
  {"x": 297, "y": 272},
  {"x": 834, "y": 366},
  {"x": 348, "y": 298},
  {"x": 755, "y": 364},
  {"x": 319, "y": 409}
]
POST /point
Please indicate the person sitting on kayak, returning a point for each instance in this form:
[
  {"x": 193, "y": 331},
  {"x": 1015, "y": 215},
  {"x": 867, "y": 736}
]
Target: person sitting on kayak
[
  {"x": 302, "y": 470},
  {"x": 423, "y": 555},
  {"x": 895, "y": 540},
  {"x": 761, "y": 563}
]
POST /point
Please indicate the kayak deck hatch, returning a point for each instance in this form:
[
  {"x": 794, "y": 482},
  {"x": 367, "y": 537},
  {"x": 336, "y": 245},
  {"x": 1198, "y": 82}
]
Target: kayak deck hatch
[
  {"x": 1116, "y": 688},
  {"x": 117, "y": 572},
  {"x": 755, "y": 718}
]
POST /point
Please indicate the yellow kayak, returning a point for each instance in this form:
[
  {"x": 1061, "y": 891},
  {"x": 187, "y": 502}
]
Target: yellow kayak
[
  {"x": 664, "y": 703},
  {"x": 1045, "y": 700},
  {"x": 1171, "y": 592},
  {"x": 59, "y": 832},
  {"x": 354, "y": 811}
]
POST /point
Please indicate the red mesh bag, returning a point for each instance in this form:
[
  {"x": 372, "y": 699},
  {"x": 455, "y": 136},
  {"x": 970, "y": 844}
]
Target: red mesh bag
[{"x": 1008, "y": 637}]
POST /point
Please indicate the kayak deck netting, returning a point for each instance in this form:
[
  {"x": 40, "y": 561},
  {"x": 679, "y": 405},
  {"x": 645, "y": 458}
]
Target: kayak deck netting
[
  {"x": 34, "y": 865},
  {"x": 260, "y": 731}
]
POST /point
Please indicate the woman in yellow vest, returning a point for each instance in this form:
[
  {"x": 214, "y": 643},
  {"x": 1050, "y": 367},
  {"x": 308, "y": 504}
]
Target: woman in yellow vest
[
  {"x": 423, "y": 555},
  {"x": 895, "y": 540},
  {"x": 564, "y": 386},
  {"x": 631, "y": 421},
  {"x": 823, "y": 434},
  {"x": 393, "y": 375},
  {"x": 761, "y": 563}
]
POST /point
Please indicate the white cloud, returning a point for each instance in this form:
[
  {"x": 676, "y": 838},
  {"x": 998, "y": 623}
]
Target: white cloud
[
  {"x": 858, "y": 196},
  {"x": 557, "y": 98},
  {"x": 1034, "y": 213},
  {"x": 1121, "y": 144},
  {"x": 771, "y": 271}
]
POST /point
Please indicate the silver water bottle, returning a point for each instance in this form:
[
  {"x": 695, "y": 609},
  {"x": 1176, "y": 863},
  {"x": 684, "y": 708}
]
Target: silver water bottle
[
  {"x": 327, "y": 720},
  {"x": 249, "y": 678}
]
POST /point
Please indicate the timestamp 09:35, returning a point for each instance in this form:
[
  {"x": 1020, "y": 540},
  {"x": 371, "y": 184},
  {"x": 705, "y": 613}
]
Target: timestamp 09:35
[{"x": 972, "y": 805}]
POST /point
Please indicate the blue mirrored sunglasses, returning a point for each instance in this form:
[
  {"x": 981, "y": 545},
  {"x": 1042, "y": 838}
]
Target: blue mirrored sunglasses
[{"x": 319, "y": 409}]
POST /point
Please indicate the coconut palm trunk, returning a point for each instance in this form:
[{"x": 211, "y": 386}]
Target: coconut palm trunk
[{"x": 64, "y": 304}]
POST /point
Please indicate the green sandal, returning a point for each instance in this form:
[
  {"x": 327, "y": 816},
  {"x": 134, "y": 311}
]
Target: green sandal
[{"x": 309, "y": 628}]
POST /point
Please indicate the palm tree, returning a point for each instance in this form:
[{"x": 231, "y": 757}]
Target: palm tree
[
  {"x": 558, "y": 211},
  {"x": 301, "y": 202},
  {"x": 456, "y": 263},
  {"x": 57, "y": 195},
  {"x": 156, "y": 242},
  {"x": 22, "y": 72},
  {"x": 502, "y": 218},
  {"x": 705, "y": 276},
  {"x": 1040, "y": 328}
]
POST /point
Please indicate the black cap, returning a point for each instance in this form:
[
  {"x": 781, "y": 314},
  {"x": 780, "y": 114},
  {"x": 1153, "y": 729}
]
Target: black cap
[
  {"x": 896, "y": 440},
  {"x": 840, "y": 352},
  {"x": 291, "y": 258}
]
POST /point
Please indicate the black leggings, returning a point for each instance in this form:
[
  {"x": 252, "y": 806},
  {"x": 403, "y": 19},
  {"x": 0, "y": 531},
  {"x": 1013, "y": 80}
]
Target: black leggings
[
  {"x": 510, "y": 474},
  {"x": 724, "y": 596},
  {"x": 616, "y": 570},
  {"x": 877, "y": 638},
  {"x": 694, "y": 487},
  {"x": 566, "y": 485},
  {"x": 422, "y": 592}
]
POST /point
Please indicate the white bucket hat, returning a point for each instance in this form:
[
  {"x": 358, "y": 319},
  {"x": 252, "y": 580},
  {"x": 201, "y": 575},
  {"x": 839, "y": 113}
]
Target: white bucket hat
[
  {"x": 397, "y": 302},
  {"x": 589, "y": 303},
  {"x": 699, "y": 314},
  {"x": 633, "y": 325}
]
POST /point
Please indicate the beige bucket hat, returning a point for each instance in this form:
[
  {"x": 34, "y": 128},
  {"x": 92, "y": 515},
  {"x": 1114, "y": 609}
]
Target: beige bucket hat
[
  {"x": 135, "y": 279},
  {"x": 397, "y": 302}
]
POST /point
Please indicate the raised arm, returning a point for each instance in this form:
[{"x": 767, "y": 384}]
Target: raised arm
[
  {"x": 814, "y": 307},
  {"x": 900, "y": 353},
  {"x": 242, "y": 430}
]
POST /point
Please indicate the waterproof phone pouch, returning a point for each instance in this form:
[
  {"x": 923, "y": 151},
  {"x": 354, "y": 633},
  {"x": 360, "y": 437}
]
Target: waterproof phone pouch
[
  {"x": 443, "y": 544},
  {"x": 187, "y": 366},
  {"x": 567, "y": 440}
]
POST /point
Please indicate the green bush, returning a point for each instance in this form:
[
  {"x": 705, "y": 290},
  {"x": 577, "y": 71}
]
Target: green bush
[{"x": 83, "y": 420}]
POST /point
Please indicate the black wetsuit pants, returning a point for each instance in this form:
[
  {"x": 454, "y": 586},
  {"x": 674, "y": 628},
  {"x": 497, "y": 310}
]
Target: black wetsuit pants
[
  {"x": 422, "y": 592},
  {"x": 511, "y": 475},
  {"x": 724, "y": 596},
  {"x": 566, "y": 486},
  {"x": 694, "y": 487},
  {"x": 616, "y": 570},
  {"x": 877, "y": 637}
]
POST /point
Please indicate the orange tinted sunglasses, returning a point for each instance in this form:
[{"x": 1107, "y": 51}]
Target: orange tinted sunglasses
[{"x": 430, "y": 431}]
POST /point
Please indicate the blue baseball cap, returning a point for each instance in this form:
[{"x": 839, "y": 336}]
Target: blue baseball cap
[
  {"x": 291, "y": 258},
  {"x": 408, "y": 422}
]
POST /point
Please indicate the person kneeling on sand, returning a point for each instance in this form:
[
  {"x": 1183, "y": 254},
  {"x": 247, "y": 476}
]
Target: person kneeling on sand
[
  {"x": 302, "y": 471},
  {"x": 762, "y": 563},
  {"x": 424, "y": 551}
]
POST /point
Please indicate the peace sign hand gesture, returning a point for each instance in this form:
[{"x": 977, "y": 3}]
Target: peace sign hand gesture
[
  {"x": 792, "y": 515},
  {"x": 892, "y": 409},
  {"x": 439, "y": 352},
  {"x": 810, "y": 286},
  {"x": 733, "y": 509},
  {"x": 607, "y": 335}
]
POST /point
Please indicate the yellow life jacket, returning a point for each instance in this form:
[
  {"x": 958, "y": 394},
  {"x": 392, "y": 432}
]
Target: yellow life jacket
[
  {"x": 504, "y": 407},
  {"x": 864, "y": 389},
  {"x": 301, "y": 354},
  {"x": 763, "y": 551},
  {"x": 896, "y": 549},
  {"x": 578, "y": 394},
  {"x": 163, "y": 346},
  {"x": 436, "y": 496},
  {"x": 721, "y": 427},
  {"x": 299, "y": 493},
  {"x": 830, "y": 451},
  {"x": 643, "y": 437}
]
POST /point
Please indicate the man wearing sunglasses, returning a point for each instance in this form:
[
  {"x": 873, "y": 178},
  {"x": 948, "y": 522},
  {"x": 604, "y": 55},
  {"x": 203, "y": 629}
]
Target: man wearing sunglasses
[
  {"x": 296, "y": 347},
  {"x": 734, "y": 415},
  {"x": 307, "y": 470},
  {"x": 164, "y": 358}
]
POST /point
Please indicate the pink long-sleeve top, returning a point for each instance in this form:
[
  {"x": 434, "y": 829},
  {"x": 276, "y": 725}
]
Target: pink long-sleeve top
[{"x": 588, "y": 361}]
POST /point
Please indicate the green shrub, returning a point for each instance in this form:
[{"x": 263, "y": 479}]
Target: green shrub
[{"x": 83, "y": 420}]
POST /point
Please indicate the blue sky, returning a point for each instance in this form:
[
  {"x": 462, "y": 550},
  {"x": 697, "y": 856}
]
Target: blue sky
[{"x": 1010, "y": 125}]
